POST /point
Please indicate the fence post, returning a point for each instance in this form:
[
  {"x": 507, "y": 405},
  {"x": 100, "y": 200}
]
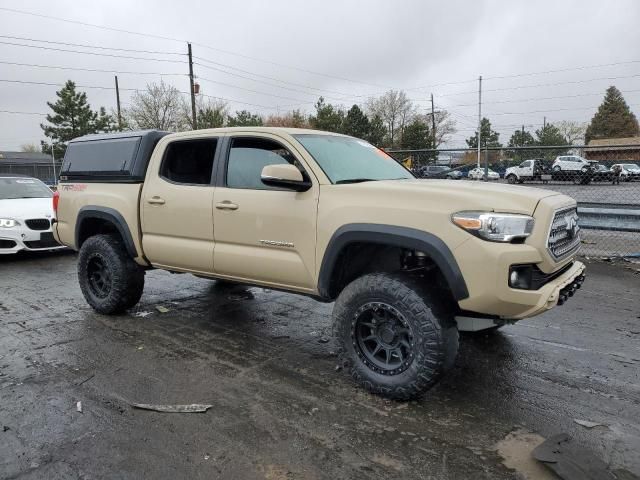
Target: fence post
[{"x": 486, "y": 165}]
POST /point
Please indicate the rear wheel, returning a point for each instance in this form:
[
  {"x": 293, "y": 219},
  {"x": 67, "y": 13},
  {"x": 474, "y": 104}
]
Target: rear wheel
[
  {"x": 395, "y": 337},
  {"x": 110, "y": 280}
]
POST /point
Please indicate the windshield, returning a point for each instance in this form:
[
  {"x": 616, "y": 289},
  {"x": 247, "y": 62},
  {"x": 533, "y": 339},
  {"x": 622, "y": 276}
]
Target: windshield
[
  {"x": 347, "y": 159},
  {"x": 630, "y": 166},
  {"x": 12, "y": 188}
]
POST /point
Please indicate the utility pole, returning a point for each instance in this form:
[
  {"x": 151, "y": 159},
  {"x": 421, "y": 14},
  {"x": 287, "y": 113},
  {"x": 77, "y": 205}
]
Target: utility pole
[
  {"x": 53, "y": 163},
  {"x": 479, "y": 116},
  {"x": 118, "y": 104},
  {"x": 433, "y": 122},
  {"x": 193, "y": 93},
  {"x": 544, "y": 123}
]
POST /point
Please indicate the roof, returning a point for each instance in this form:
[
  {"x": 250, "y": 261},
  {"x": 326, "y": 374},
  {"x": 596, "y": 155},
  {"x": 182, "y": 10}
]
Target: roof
[
  {"x": 273, "y": 130},
  {"x": 107, "y": 136},
  {"x": 626, "y": 143},
  {"x": 24, "y": 157}
]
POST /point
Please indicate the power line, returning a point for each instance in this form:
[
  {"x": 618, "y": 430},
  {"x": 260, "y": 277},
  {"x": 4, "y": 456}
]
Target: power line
[
  {"x": 569, "y": 69},
  {"x": 571, "y": 82},
  {"x": 247, "y": 89},
  {"x": 100, "y": 87},
  {"x": 532, "y": 99},
  {"x": 257, "y": 59},
  {"x": 84, "y": 45},
  {"x": 260, "y": 76},
  {"x": 90, "y": 69},
  {"x": 89, "y": 53},
  {"x": 22, "y": 113}
]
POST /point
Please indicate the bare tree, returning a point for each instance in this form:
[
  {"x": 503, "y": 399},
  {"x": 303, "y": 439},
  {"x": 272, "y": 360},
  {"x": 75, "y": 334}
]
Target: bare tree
[
  {"x": 30, "y": 148},
  {"x": 212, "y": 113},
  {"x": 160, "y": 106},
  {"x": 396, "y": 111},
  {"x": 293, "y": 119},
  {"x": 445, "y": 127},
  {"x": 573, "y": 131}
]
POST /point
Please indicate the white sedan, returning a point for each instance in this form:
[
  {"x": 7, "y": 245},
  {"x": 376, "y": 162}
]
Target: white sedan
[
  {"x": 26, "y": 211},
  {"x": 478, "y": 174}
]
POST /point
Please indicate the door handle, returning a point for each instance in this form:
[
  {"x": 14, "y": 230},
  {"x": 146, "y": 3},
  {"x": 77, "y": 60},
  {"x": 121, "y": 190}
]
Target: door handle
[
  {"x": 155, "y": 200},
  {"x": 226, "y": 205}
]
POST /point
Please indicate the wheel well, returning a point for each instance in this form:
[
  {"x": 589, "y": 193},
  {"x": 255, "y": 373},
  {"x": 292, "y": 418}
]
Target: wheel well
[
  {"x": 361, "y": 258},
  {"x": 95, "y": 226}
]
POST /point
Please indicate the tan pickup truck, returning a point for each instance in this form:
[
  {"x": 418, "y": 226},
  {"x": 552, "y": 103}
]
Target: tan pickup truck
[{"x": 408, "y": 262}]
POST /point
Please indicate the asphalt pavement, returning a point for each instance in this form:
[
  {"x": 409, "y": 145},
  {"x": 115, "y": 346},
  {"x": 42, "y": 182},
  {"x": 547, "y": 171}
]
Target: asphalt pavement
[{"x": 281, "y": 408}]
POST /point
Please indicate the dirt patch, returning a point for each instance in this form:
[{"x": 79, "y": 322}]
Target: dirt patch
[{"x": 516, "y": 450}]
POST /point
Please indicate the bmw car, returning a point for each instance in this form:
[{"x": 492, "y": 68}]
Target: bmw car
[{"x": 26, "y": 211}]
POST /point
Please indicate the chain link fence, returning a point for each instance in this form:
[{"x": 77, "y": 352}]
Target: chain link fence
[
  {"x": 604, "y": 180},
  {"x": 41, "y": 171}
]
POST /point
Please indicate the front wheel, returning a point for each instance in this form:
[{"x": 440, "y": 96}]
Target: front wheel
[
  {"x": 110, "y": 280},
  {"x": 512, "y": 179},
  {"x": 395, "y": 337}
]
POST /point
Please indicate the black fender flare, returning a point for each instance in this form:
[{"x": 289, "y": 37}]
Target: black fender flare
[
  {"x": 110, "y": 215},
  {"x": 403, "y": 237}
]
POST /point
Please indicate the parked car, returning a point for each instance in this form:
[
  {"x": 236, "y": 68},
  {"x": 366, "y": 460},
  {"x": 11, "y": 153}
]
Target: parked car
[
  {"x": 600, "y": 173},
  {"x": 478, "y": 174},
  {"x": 433, "y": 171},
  {"x": 323, "y": 215},
  {"x": 628, "y": 171},
  {"x": 570, "y": 163},
  {"x": 26, "y": 212},
  {"x": 455, "y": 175},
  {"x": 533, "y": 169}
]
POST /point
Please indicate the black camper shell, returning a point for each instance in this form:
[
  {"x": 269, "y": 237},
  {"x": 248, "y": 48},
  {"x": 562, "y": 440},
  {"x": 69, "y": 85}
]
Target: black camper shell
[{"x": 110, "y": 157}]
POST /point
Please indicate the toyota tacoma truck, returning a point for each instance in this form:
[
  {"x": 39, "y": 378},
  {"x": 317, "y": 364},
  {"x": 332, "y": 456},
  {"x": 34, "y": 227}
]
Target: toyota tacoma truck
[{"x": 409, "y": 263}]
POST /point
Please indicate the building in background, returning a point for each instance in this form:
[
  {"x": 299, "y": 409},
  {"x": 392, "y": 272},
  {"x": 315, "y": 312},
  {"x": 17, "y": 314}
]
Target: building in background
[
  {"x": 614, "y": 150},
  {"x": 38, "y": 165}
]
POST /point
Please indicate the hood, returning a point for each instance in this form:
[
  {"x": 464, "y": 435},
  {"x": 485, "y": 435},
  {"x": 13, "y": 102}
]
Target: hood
[
  {"x": 26, "y": 208},
  {"x": 459, "y": 196}
]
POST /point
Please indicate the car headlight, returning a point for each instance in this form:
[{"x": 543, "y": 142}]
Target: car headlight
[
  {"x": 8, "y": 223},
  {"x": 495, "y": 227}
]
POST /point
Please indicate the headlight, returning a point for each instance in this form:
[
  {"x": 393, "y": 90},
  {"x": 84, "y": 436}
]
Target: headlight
[
  {"x": 8, "y": 223},
  {"x": 495, "y": 227}
]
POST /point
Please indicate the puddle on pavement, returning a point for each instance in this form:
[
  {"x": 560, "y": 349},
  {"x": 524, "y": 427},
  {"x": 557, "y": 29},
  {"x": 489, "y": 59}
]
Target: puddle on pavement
[{"x": 516, "y": 450}]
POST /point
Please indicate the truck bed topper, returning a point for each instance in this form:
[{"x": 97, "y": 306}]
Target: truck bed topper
[{"x": 110, "y": 157}]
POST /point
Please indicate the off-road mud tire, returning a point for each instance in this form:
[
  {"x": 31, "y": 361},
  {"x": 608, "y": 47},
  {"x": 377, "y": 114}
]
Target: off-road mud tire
[
  {"x": 125, "y": 278},
  {"x": 430, "y": 318}
]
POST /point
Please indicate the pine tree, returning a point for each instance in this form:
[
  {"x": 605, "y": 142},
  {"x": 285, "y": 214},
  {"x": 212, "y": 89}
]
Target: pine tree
[
  {"x": 489, "y": 137},
  {"x": 328, "y": 117},
  {"x": 416, "y": 135},
  {"x": 72, "y": 117},
  {"x": 356, "y": 123},
  {"x": 245, "y": 118},
  {"x": 613, "y": 119},
  {"x": 377, "y": 132}
]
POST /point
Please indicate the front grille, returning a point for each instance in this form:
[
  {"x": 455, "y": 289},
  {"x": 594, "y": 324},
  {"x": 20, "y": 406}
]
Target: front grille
[
  {"x": 46, "y": 241},
  {"x": 38, "y": 223},
  {"x": 564, "y": 236}
]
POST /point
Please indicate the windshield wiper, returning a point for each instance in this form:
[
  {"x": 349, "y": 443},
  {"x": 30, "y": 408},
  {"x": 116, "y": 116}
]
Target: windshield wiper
[{"x": 355, "y": 180}]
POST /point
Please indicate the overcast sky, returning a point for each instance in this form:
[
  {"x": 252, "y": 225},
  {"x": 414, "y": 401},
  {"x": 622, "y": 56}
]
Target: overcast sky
[{"x": 346, "y": 50}]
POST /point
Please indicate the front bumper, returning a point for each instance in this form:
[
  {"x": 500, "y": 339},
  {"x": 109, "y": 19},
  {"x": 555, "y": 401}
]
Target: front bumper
[{"x": 14, "y": 240}]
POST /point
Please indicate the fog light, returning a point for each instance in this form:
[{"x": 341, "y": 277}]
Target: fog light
[{"x": 520, "y": 276}]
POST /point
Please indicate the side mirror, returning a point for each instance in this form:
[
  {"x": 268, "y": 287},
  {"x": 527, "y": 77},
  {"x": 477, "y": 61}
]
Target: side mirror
[{"x": 284, "y": 176}]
